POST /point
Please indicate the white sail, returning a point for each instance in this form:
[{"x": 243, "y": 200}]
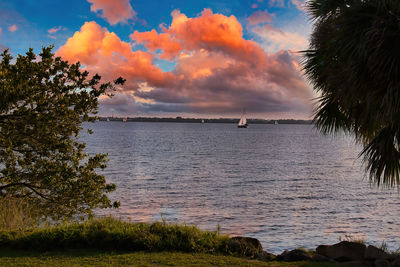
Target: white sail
[{"x": 243, "y": 120}]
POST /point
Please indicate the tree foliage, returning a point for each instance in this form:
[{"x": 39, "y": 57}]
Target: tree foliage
[
  {"x": 354, "y": 63},
  {"x": 44, "y": 102}
]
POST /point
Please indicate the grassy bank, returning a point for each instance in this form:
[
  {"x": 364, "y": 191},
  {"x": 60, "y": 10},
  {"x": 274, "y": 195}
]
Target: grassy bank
[
  {"x": 112, "y": 234},
  {"x": 112, "y": 242},
  {"x": 94, "y": 258}
]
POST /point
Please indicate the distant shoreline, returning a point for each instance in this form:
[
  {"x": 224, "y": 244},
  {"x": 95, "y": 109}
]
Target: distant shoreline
[{"x": 195, "y": 120}]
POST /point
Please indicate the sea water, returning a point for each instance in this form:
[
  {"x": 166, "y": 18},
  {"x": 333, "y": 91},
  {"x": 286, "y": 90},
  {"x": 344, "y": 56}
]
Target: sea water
[{"x": 287, "y": 185}]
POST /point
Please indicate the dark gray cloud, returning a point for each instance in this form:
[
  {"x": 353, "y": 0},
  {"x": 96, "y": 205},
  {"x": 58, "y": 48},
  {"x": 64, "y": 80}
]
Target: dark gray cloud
[{"x": 278, "y": 87}]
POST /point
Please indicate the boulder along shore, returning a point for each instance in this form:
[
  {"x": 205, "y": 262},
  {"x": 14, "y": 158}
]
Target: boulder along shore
[{"x": 354, "y": 253}]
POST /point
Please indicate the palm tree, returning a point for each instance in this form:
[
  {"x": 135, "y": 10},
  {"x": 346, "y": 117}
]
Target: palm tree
[{"x": 354, "y": 63}]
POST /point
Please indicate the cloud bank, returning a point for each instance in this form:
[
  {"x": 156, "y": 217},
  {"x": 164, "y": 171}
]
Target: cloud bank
[{"x": 216, "y": 71}]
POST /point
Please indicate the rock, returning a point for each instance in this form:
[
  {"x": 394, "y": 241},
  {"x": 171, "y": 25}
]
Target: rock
[
  {"x": 266, "y": 256},
  {"x": 319, "y": 258},
  {"x": 374, "y": 253},
  {"x": 343, "y": 251},
  {"x": 395, "y": 262},
  {"x": 245, "y": 246},
  {"x": 382, "y": 263},
  {"x": 294, "y": 255}
]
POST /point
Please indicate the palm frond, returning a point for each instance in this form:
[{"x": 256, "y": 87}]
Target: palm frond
[
  {"x": 328, "y": 118},
  {"x": 354, "y": 63},
  {"x": 382, "y": 158}
]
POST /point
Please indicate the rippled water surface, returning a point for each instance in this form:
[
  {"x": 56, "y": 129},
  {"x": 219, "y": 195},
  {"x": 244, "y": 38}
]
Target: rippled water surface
[{"x": 286, "y": 185}]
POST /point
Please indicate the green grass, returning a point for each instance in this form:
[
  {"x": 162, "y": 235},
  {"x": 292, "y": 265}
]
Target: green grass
[
  {"x": 94, "y": 258},
  {"x": 112, "y": 234},
  {"x": 112, "y": 242}
]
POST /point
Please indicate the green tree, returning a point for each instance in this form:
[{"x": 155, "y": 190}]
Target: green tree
[
  {"x": 354, "y": 63},
  {"x": 44, "y": 102}
]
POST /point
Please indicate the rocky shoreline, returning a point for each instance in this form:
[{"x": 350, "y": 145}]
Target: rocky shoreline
[{"x": 350, "y": 253}]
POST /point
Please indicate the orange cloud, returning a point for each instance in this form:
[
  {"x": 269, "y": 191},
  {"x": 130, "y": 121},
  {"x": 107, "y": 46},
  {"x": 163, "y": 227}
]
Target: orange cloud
[
  {"x": 211, "y": 82},
  {"x": 259, "y": 17},
  {"x": 154, "y": 41},
  {"x": 212, "y": 32},
  {"x": 13, "y": 28},
  {"x": 104, "y": 53},
  {"x": 114, "y": 11},
  {"x": 216, "y": 70},
  {"x": 202, "y": 63}
]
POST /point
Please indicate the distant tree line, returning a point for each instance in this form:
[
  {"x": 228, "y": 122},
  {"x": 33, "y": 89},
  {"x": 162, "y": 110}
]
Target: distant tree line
[{"x": 197, "y": 120}]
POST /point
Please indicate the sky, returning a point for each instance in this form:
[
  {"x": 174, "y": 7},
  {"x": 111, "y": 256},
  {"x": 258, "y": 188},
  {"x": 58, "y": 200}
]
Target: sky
[{"x": 208, "y": 59}]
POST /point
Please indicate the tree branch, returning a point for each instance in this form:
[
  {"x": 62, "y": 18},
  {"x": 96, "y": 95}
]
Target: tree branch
[{"x": 31, "y": 187}]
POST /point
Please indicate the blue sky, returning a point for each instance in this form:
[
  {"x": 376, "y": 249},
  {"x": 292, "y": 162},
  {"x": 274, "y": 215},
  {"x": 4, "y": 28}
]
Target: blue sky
[{"x": 273, "y": 89}]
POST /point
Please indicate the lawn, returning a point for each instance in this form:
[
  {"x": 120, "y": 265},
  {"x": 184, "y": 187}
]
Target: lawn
[{"x": 94, "y": 258}]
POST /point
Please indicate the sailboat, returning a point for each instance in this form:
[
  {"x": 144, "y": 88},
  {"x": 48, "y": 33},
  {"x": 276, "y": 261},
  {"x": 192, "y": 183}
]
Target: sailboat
[
  {"x": 243, "y": 121},
  {"x": 125, "y": 119}
]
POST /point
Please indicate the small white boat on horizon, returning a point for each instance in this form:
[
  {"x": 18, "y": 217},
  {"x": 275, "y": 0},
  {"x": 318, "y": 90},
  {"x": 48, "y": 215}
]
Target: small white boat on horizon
[{"x": 243, "y": 121}]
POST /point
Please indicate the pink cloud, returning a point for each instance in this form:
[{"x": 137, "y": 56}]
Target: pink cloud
[
  {"x": 299, "y": 4},
  {"x": 54, "y": 30},
  {"x": 1, "y": 30},
  {"x": 216, "y": 71},
  {"x": 13, "y": 28},
  {"x": 278, "y": 3},
  {"x": 276, "y": 39},
  {"x": 259, "y": 17},
  {"x": 114, "y": 11},
  {"x": 254, "y": 5},
  {"x": 216, "y": 83}
]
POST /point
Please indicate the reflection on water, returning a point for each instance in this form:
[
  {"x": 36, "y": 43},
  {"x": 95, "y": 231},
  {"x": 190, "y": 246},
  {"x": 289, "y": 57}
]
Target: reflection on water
[{"x": 284, "y": 184}]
